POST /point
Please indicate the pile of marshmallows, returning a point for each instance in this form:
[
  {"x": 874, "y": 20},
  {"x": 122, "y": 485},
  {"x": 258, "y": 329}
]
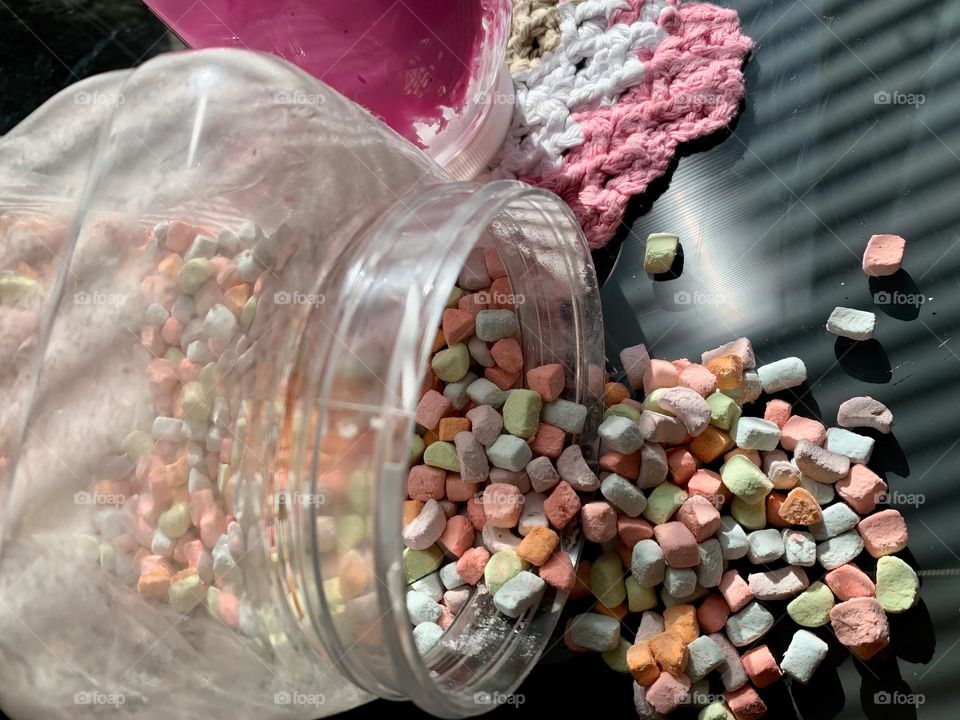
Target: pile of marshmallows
[
  {"x": 687, "y": 486},
  {"x": 495, "y": 478},
  {"x": 167, "y": 528}
]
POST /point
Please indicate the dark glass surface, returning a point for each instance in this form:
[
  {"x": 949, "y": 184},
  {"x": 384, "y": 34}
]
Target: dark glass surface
[{"x": 773, "y": 217}]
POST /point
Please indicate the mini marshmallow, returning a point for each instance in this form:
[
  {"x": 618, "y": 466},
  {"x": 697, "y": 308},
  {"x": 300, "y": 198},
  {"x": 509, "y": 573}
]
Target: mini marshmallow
[
  {"x": 532, "y": 516},
  {"x": 755, "y": 434},
  {"x": 595, "y": 632},
  {"x": 861, "y": 624},
  {"x": 653, "y": 466},
  {"x": 573, "y": 469},
  {"x": 493, "y": 325},
  {"x": 823, "y": 493},
  {"x": 519, "y": 594},
  {"x": 745, "y": 480},
  {"x": 623, "y": 494},
  {"x": 731, "y": 669},
  {"x": 778, "y": 584},
  {"x": 850, "y": 323},
  {"x": 803, "y": 656},
  {"x": 679, "y": 582},
  {"x": 663, "y": 501},
  {"x": 472, "y": 458},
  {"x": 710, "y": 569},
  {"x": 782, "y": 374},
  {"x": 635, "y": 361},
  {"x": 647, "y": 563},
  {"x": 839, "y": 550},
  {"x": 865, "y": 412},
  {"x": 849, "y": 581},
  {"x": 508, "y": 452},
  {"x": 812, "y": 607},
  {"x": 427, "y": 528},
  {"x": 687, "y": 406},
  {"x": 620, "y": 434},
  {"x": 733, "y": 538},
  {"x": 735, "y": 590},
  {"x": 861, "y": 489},
  {"x": 449, "y": 577},
  {"x": 483, "y": 392},
  {"x": 426, "y": 635},
  {"x": 703, "y": 657},
  {"x": 898, "y": 587},
  {"x": 857, "y": 447},
  {"x": 883, "y": 255},
  {"x": 422, "y": 608},
  {"x": 835, "y": 519},
  {"x": 884, "y": 533},
  {"x": 749, "y": 625},
  {"x": 820, "y": 464},
  {"x": 678, "y": 544},
  {"x": 564, "y": 414},
  {"x": 741, "y": 348},
  {"x": 660, "y": 428},
  {"x": 798, "y": 428},
  {"x": 799, "y": 548}
]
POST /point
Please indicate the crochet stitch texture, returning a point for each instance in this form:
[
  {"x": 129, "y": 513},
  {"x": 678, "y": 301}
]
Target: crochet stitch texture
[{"x": 601, "y": 116}]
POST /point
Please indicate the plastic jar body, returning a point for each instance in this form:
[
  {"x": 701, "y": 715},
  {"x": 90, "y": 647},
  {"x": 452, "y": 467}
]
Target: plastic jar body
[{"x": 294, "y": 420}]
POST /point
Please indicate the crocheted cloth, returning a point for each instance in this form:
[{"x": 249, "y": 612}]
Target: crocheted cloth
[{"x": 607, "y": 89}]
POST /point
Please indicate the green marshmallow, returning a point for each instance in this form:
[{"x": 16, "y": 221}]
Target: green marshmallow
[
  {"x": 752, "y": 516},
  {"x": 745, "y": 480},
  {"x": 715, "y": 711},
  {"x": 724, "y": 411},
  {"x": 663, "y": 501},
  {"x": 521, "y": 413},
  {"x": 501, "y": 567},
  {"x": 137, "y": 444},
  {"x": 661, "y": 252},
  {"x": 623, "y": 410},
  {"x": 639, "y": 598},
  {"x": 420, "y": 563},
  {"x": 898, "y": 586},
  {"x": 247, "y": 313},
  {"x": 194, "y": 273},
  {"x": 176, "y": 521},
  {"x": 194, "y": 402},
  {"x": 417, "y": 446},
  {"x": 812, "y": 607},
  {"x": 616, "y": 659},
  {"x": 453, "y": 299},
  {"x": 16, "y": 287},
  {"x": 652, "y": 401},
  {"x": 174, "y": 355},
  {"x": 185, "y": 594},
  {"x": 452, "y": 363},
  {"x": 442, "y": 454},
  {"x": 606, "y": 580},
  {"x": 350, "y": 529}
]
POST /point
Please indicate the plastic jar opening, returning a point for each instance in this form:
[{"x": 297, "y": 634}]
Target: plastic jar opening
[{"x": 355, "y": 383}]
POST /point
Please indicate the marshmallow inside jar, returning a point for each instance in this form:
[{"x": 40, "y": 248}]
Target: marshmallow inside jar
[{"x": 214, "y": 467}]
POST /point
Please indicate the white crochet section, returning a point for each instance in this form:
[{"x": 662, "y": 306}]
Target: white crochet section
[{"x": 593, "y": 65}]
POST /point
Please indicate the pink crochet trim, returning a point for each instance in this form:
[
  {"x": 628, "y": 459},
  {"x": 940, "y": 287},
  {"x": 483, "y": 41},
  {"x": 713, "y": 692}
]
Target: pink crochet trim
[{"x": 691, "y": 87}]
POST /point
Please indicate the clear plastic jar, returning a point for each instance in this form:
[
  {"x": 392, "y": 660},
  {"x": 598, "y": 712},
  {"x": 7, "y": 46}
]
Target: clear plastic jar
[{"x": 312, "y": 395}]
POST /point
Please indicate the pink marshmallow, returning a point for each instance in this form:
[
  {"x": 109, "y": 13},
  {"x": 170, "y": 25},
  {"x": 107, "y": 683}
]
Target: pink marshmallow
[
  {"x": 599, "y": 522},
  {"x": 699, "y": 516},
  {"x": 680, "y": 549},
  {"x": 798, "y": 428},
  {"x": 660, "y": 374},
  {"x": 883, "y": 255},
  {"x": 735, "y": 590}
]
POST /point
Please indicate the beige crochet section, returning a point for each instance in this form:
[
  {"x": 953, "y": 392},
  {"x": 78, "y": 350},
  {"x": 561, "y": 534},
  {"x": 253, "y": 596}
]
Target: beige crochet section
[{"x": 535, "y": 33}]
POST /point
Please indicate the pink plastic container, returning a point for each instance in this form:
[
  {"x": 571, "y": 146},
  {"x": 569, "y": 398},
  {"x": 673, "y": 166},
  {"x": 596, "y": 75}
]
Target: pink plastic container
[{"x": 430, "y": 69}]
